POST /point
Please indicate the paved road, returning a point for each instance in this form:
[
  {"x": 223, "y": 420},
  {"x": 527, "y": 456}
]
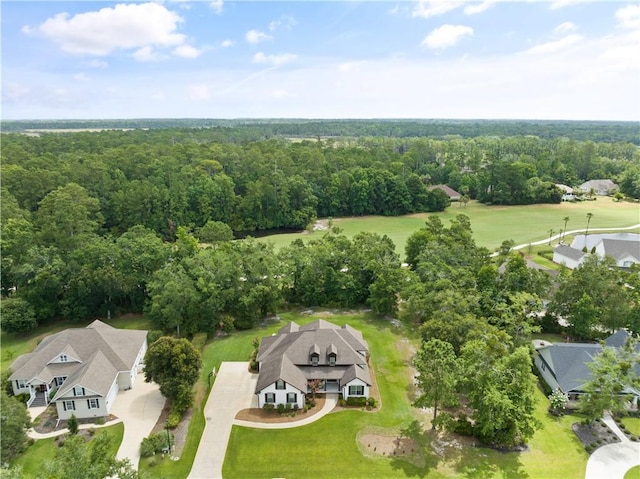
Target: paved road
[{"x": 613, "y": 460}]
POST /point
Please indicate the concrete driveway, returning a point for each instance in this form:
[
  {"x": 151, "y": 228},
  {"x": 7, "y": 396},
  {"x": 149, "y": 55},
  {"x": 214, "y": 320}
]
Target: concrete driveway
[
  {"x": 233, "y": 391},
  {"x": 613, "y": 460},
  {"x": 139, "y": 409}
]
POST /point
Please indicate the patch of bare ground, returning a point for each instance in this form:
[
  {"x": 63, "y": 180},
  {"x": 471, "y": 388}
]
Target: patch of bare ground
[{"x": 179, "y": 433}]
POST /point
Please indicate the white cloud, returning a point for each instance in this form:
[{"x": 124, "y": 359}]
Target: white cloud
[
  {"x": 565, "y": 27},
  {"x": 284, "y": 21},
  {"x": 475, "y": 8},
  {"x": 187, "y": 51},
  {"x": 629, "y": 17},
  {"x": 256, "y": 36},
  {"x": 227, "y": 43},
  {"x": 217, "y": 6},
  {"x": 95, "y": 63},
  {"x": 446, "y": 36},
  {"x": 121, "y": 27},
  {"x": 556, "y": 45},
  {"x": 556, "y": 4},
  {"x": 432, "y": 8},
  {"x": 199, "y": 92},
  {"x": 275, "y": 60},
  {"x": 146, "y": 54},
  {"x": 80, "y": 77}
]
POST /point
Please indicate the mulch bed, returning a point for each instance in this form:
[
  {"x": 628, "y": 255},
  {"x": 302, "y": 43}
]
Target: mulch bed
[
  {"x": 594, "y": 435},
  {"x": 260, "y": 415},
  {"x": 46, "y": 422}
]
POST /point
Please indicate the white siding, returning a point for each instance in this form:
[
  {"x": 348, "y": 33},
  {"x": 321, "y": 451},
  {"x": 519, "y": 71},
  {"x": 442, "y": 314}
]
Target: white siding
[
  {"x": 111, "y": 395},
  {"x": 355, "y": 382},
  {"x": 568, "y": 262},
  {"x": 281, "y": 395},
  {"x": 16, "y": 390},
  {"x": 82, "y": 410}
]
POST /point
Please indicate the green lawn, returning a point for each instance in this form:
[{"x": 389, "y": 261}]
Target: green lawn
[
  {"x": 632, "y": 424},
  {"x": 633, "y": 473},
  {"x": 43, "y": 450},
  {"x": 491, "y": 224},
  {"x": 329, "y": 447}
]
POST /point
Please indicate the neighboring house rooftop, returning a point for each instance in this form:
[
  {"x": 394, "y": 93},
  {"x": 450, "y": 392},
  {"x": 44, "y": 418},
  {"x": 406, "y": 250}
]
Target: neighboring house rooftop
[
  {"x": 451, "y": 193},
  {"x": 601, "y": 186},
  {"x": 620, "y": 249},
  {"x": 564, "y": 188},
  {"x": 86, "y": 350},
  {"x": 286, "y": 355},
  {"x": 591, "y": 240},
  {"x": 570, "y": 252},
  {"x": 569, "y": 362}
]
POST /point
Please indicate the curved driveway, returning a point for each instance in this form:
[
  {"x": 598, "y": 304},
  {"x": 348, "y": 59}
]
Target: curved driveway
[
  {"x": 233, "y": 391},
  {"x": 613, "y": 460}
]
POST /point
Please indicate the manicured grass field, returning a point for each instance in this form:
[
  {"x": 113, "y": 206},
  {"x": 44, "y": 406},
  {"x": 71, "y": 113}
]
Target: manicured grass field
[
  {"x": 491, "y": 224},
  {"x": 43, "y": 451},
  {"x": 328, "y": 448},
  {"x": 633, "y": 473},
  {"x": 632, "y": 424}
]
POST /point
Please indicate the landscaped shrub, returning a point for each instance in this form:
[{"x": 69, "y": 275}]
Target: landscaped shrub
[
  {"x": 174, "y": 419},
  {"x": 461, "y": 425},
  {"x": 155, "y": 443},
  {"x": 72, "y": 424},
  {"x": 546, "y": 253},
  {"x": 23, "y": 398},
  {"x": 198, "y": 340},
  {"x": 342, "y": 402},
  {"x": 357, "y": 401},
  {"x": 371, "y": 402},
  {"x": 280, "y": 408},
  {"x": 269, "y": 407}
]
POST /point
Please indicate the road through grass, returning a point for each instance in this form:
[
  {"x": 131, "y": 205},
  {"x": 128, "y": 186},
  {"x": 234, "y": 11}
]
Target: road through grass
[{"x": 491, "y": 224}]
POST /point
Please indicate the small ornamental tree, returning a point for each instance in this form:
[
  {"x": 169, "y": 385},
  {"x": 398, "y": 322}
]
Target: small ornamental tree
[
  {"x": 314, "y": 385},
  {"x": 72, "y": 425},
  {"x": 558, "y": 401}
]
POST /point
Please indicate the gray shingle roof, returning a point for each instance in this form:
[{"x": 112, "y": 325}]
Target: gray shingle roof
[
  {"x": 619, "y": 249},
  {"x": 286, "y": 355},
  {"x": 97, "y": 375},
  {"x": 569, "y": 252},
  {"x": 118, "y": 347}
]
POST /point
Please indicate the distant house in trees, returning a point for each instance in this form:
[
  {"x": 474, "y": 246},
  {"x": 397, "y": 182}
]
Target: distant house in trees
[
  {"x": 451, "y": 193},
  {"x": 81, "y": 370},
  {"x": 565, "y": 366},
  {"x": 601, "y": 187},
  {"x": 567, "y": 192},
  {"x": 624, "y": 248},
  {"x": 296, "y": 355}
]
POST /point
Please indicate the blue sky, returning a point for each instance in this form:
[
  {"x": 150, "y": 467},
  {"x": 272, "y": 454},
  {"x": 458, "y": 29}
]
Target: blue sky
[{"x": 555, "y": 59}]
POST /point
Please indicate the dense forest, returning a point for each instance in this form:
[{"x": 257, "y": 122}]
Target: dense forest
[{"x": 90, "y": 219}]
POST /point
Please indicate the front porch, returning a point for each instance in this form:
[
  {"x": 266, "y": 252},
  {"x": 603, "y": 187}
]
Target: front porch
[{"x": 39, "y": 395}]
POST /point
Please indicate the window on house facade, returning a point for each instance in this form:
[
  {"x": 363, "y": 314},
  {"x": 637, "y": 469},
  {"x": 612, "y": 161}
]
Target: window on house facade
[
  {"x": 63, "y": 358},
  {"x": 21, "y": 383},
  {"x": 314, "y": 360},
  {"x": 280, "y": 384},
  {"x": 356, "y": 390},
  {"x": 78, "y": 391},
  {"x": 292, "y": 397},
  {"x": 93, "y": 403},
  {"x": 332, "y": 360},
  {"x": 59, "y": 380},
  {"x": 269, "y": 397},
  {"x": 69, "y": 405}
]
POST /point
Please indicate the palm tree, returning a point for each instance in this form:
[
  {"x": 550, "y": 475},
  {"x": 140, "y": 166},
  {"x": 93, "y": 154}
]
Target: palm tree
[
  {"x": 550, "y": 235},
  {"x": 589, "y": 216},
  {"x": 566, "y": 220}
]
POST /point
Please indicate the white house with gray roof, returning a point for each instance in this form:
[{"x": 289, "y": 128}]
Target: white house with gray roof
[
  {"x": 289, "y": 360},
  {"x": 81, "y": 370},
  {"x": 565, "y": 366},
  {"x": 624, "y": 248}
]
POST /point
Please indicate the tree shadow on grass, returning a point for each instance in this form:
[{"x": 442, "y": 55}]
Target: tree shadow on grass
[
  {"x": 467, "y": 461},
  {"x": 485, "y": 463}
]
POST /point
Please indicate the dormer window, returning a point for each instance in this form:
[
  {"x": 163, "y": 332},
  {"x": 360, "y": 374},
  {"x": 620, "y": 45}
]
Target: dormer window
[
  {"x": 78, "y": 391},
  {"x": 63, "y": 358},
  {"x": 280, "y": 384},
  {"x": 314, "y": 355},
  {"x": 332, "y": 354}
]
